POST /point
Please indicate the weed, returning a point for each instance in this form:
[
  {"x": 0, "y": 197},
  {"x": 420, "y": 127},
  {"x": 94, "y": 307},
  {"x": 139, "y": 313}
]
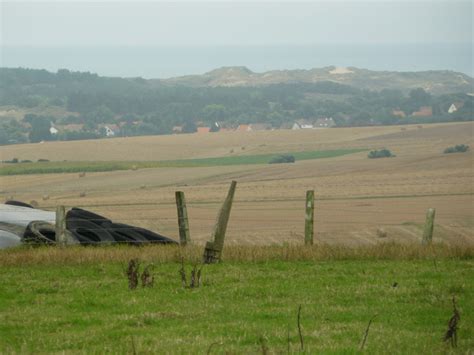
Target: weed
[
  {"x": 132, "y": 273},
  {"x": 451, "y": 333}
]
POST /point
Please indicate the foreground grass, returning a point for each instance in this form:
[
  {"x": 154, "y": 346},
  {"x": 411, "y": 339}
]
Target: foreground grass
[
  {"x": 77, "y": 300},
  {"x": 96, "y": 166}
]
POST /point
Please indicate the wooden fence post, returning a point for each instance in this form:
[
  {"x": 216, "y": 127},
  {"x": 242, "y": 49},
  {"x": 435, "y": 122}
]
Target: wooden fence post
[
  {"x": 309, "y": 218},
  {"x": 429, "y": 226},
  {"x": 213, "y": 250},
  {"x": 183, "y": 224},
  {"x": 60, "y": 230}
]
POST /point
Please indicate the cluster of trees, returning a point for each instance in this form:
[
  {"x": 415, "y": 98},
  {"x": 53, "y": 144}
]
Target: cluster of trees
[{"x": 153, "y": 107}]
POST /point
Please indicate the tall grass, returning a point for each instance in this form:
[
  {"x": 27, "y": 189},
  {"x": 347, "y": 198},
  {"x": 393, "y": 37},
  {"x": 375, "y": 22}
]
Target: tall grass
[{"x": 77, "y": 255}]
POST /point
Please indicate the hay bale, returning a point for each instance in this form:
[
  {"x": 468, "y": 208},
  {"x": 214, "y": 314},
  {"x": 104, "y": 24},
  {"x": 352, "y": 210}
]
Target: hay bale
[
  {"x": 82, "y": 194},
  {"x": 381, "y": 233},
  {"x": 45, "y": 197},
  {"x": 143, "y": 187},
  {"x": 134, "y": 167},
  {"x": 82, "y": 174}
]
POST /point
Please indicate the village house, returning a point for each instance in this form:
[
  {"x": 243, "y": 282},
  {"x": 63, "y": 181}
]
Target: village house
[
  {"x": 110, "y": 130},
  {"x": 53, "y": 130},
  {"x": 455, "y": 106},
  {"x": 177, "y": 129},
  {"x": 201, "y": 130},
  {"x": 399, "y": 113},
  {"x": 72, "y": 127},
  {"x": 243, "y": 128},
  {"x": 424, "y": 111},
  {"x": 260, "y": 127},
  {"x": 326, "y": 122},
  {"x": 302, "y": 124}
]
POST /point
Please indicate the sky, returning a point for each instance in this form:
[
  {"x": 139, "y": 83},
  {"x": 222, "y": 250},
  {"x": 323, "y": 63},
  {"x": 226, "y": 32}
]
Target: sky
[
  {"x": 244, "y": 23},
  {"x": 157, "y": 39}
]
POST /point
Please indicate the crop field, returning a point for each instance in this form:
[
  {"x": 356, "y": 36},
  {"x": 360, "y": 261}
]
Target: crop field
[{"x": 355, "y": 196}]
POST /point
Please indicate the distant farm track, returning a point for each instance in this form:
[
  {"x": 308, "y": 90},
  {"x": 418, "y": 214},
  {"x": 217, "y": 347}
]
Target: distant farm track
[{"x": 355, "y": 196}]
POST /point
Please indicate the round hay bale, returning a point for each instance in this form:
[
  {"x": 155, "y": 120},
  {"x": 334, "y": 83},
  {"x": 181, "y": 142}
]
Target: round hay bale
[
  {"x": 82, "y": 194},
  {"x": 143, "y": 187},
  {"x": 45, "y": 197},
  {"x": 134, "y": 167},
  {"x": 82, "y": 174},
  {"x": 381, "y": 233}
]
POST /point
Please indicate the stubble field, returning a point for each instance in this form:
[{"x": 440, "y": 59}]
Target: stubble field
[{"x": 356, "y": 196}]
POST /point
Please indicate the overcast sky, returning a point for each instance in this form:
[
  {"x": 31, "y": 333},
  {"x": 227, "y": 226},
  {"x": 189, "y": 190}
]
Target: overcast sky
[{"x": 197, "y": 23}]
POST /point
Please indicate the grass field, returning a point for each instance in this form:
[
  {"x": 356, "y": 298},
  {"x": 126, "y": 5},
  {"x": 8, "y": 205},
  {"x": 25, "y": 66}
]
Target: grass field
[
  {"x": 77, "y": 300},
  {"x": 100, "y": 166}
]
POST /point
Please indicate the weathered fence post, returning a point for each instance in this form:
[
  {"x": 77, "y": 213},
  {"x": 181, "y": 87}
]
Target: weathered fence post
[
  {"x": 183, "y": 224},
  {"x": 213, "y": 250},
  {"x": 429, "y": 225},
  {"x": 60, "y": 230},
  {"x": 309, "y": 218}
]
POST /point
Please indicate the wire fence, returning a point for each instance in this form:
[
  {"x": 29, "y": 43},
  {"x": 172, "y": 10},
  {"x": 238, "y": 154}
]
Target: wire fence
[{"x": 269, "y": 221}]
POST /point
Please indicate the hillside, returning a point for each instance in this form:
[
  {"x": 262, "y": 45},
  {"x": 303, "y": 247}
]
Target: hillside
[{"x": 435, "y": 82}]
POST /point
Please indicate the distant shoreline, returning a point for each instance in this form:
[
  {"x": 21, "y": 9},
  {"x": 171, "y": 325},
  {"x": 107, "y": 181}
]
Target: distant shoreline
[{"x": 170, "y": 62}]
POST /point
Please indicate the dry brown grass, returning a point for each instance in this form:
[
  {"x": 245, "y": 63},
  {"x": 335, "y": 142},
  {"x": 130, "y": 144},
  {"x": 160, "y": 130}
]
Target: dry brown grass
[
  {"x": 233, "y": 253},
  {"x": 355, "y": 196}
]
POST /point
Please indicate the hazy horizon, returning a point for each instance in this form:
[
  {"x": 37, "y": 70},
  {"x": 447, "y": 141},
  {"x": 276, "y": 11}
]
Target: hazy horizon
[
  {"x": 157, "y": 39},
  {"x": 167, "y": 62}
]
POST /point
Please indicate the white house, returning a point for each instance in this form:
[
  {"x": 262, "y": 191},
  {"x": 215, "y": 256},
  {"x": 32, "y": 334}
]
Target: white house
[
  {"x": 53, "y": 130},
  {"x": 302, "y": 124},
  {"x": 455, "y": 106},
  {"x": 109, "y": 131}
]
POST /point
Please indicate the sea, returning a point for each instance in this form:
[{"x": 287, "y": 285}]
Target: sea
[{"x": 166, "y": 62}]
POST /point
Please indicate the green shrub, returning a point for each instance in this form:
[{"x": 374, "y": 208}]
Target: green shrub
[
  {"x": 282, "y": 159},
  {"x": 382, "y": 153},
  {"x": 460, "y": 148}
]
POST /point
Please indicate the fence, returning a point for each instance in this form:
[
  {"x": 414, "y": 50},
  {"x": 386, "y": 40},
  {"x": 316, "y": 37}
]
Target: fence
[{"x": 267, "y": 221}]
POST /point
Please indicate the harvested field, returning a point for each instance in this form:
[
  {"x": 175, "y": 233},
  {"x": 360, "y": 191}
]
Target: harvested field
[{"x": 355, "y": 196}]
